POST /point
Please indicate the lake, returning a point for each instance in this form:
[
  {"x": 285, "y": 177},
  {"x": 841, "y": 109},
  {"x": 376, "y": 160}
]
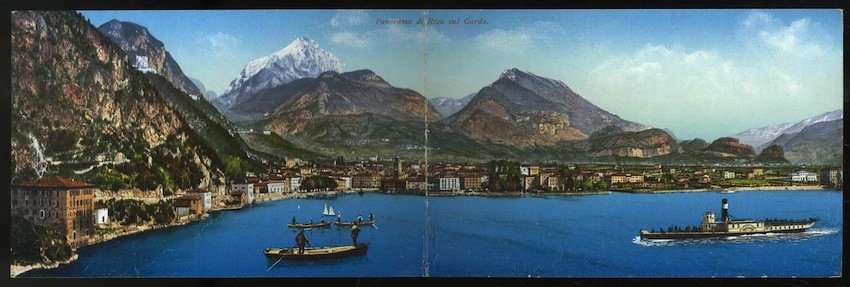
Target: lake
[{"x": 551, "y": 236}]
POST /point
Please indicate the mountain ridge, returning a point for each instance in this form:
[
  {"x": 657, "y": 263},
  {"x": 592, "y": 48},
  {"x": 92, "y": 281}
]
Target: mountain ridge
[
  {"x": 148, "y": 53},
  {"x": 301, "y": 58}
]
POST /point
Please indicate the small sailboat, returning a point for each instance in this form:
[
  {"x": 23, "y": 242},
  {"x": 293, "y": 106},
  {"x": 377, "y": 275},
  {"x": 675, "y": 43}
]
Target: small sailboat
[{"x": 329, "y": 211}]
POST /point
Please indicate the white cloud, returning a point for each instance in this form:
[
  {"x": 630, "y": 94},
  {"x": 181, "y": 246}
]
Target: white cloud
[
  {"x": 771, "y": 32},
  {"x": 221, "y": 45},
  {"x": 349, "y": 39},
  {"x": 518, "y": 40},
  {"x": 785, "y": 38},
  {"x": 349, "y": 17},
  {"x": 686, "y": 90}
]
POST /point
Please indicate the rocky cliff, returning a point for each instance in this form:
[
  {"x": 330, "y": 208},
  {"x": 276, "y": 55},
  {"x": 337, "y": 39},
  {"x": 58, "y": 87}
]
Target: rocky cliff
[
  {"x": 614, "y": 141},
  {"x": 730, "y": 147},
  {"x": 147, "y": 54},
  {"x": 532, "y": 110},
  {"x": 76, "y": 99},
  {"x": 355, "y": 96}
]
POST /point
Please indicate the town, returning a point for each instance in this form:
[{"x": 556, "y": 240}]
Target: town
[{"x": 86, "y": 214}]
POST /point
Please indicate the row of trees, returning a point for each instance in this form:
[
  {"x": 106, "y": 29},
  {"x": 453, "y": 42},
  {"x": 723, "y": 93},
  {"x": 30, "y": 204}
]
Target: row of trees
[
  {"x": 137, "y": 212},
  {"x": 318, "y": 182},
  {"x": 504, "y": 176}
]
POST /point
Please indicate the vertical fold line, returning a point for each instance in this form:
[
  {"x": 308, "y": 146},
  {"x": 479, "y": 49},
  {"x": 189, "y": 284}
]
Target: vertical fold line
[{"x": 427, "y": 228}]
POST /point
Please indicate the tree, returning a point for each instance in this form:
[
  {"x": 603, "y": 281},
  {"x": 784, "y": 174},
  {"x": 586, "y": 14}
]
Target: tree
[
  {"x": 317, "y": 182},
  {"x": 602, "y": 185},
  {"x": 586, "y": 184}
]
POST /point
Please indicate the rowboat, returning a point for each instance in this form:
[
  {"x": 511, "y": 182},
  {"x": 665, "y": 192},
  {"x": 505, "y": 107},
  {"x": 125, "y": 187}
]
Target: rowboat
[
  {"x": 317, "y": 252},
  {"x": 361, "y": 223},
  {"x": 308, "y": 225}
]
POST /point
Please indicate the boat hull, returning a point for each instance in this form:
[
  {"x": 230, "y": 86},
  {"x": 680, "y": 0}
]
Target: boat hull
[
  {"x": 646, "y": 235},
  {"x": 307, "y": 225},
  {"x": 317, "y": 253},
  {"x": 348, "y": 224}
]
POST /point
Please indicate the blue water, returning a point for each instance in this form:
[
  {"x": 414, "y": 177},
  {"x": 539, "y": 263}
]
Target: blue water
[{"x": 555, "y": 236}]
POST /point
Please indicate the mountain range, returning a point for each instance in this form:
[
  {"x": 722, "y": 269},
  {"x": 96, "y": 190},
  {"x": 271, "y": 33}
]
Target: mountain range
[
  {"x": 812, "y": 140},
  {"x": 301, "y": 94},
  {"x": 449, "y": 106},
  {"x": 759, "y": 138}
]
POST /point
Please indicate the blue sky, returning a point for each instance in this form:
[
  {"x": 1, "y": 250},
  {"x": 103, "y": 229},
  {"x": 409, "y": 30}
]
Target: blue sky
[{"x": 699, "y": 73}]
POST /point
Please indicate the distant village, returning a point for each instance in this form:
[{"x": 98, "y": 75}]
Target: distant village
[{"x": 81, "y": 211}]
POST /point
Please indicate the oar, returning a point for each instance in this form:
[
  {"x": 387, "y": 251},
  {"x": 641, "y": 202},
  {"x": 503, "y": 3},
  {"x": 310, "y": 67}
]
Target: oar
[
  {"x": 375, "y": 226},
  {"x": 278, "y": 261}
]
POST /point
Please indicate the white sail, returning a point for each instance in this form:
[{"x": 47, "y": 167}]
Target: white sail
[{"x": 329, "y": 211}]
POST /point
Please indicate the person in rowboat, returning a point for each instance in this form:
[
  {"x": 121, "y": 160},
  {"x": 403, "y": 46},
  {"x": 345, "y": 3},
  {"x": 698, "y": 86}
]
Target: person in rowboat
[
  {"x": 311, "y": 222},
  {"x": 371, "y": 217},
  {"x": 301, "y": 240},
  {"x": 338, "y": 217},
  {"x": 355, "y": 231},
  {"x": 293, "y": 220},
  {"x": 359, "y": 218},
  {"x": 323, "y": 221}
]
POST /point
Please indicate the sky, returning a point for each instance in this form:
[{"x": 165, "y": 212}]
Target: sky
[{"x": 698, "y": 73}]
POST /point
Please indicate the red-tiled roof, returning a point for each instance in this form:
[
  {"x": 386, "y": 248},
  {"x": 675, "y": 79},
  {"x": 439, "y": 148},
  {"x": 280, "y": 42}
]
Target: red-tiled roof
[
  {"x": 53, "y": 182},
  {"x": 190, "y": 197},
  {"x": 199, "y": 190}
]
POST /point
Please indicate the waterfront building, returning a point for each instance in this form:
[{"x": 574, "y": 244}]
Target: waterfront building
[
  {"x": 295, "y": 184},
  {"x": 190, "y": 204},
  {"x": 618, "y": 178},
  {"x": 553, "y": 182},
  {"x": 804, "y": 176},
  {"x": 206, "y": 197},
  {"x": 237, "y": 197},
  {"x": 626, "y": 178},
  {"x": 372, "y": 180},
  {"x": 392, "y": 185},
  {"x": 58, "y": 203},
  {"x": 449, "y": 183},
  {"x": 471, "y": 181},
  {"x": 758, "y": 172},
  {"x": 832, "y": 176},
  {"x": 101, "y": 214},
  {"x": 728, "y": 174},
  {"x": 529, "y": 181},
  {"x": 243, "y": 186},
  {"x": 529, "y": 170},
  {"x": 277, "y": 186},
  {"x": 416, "y": 184},
  {"x": 343, "y": 182}
]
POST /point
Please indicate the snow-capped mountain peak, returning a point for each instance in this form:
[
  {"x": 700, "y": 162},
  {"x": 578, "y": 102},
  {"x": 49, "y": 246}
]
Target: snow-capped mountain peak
[
  {"x": 757, "y": 137},
  {"x": 301, "y": 58}
]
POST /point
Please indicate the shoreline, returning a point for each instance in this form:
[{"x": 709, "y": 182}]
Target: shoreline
[
  {"x": 733, "y": 189},
  {"x": 16, "y": 270}
]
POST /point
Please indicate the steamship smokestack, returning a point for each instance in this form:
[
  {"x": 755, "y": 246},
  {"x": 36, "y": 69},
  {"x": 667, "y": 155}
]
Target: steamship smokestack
[{"x": 724, "y": 215}]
